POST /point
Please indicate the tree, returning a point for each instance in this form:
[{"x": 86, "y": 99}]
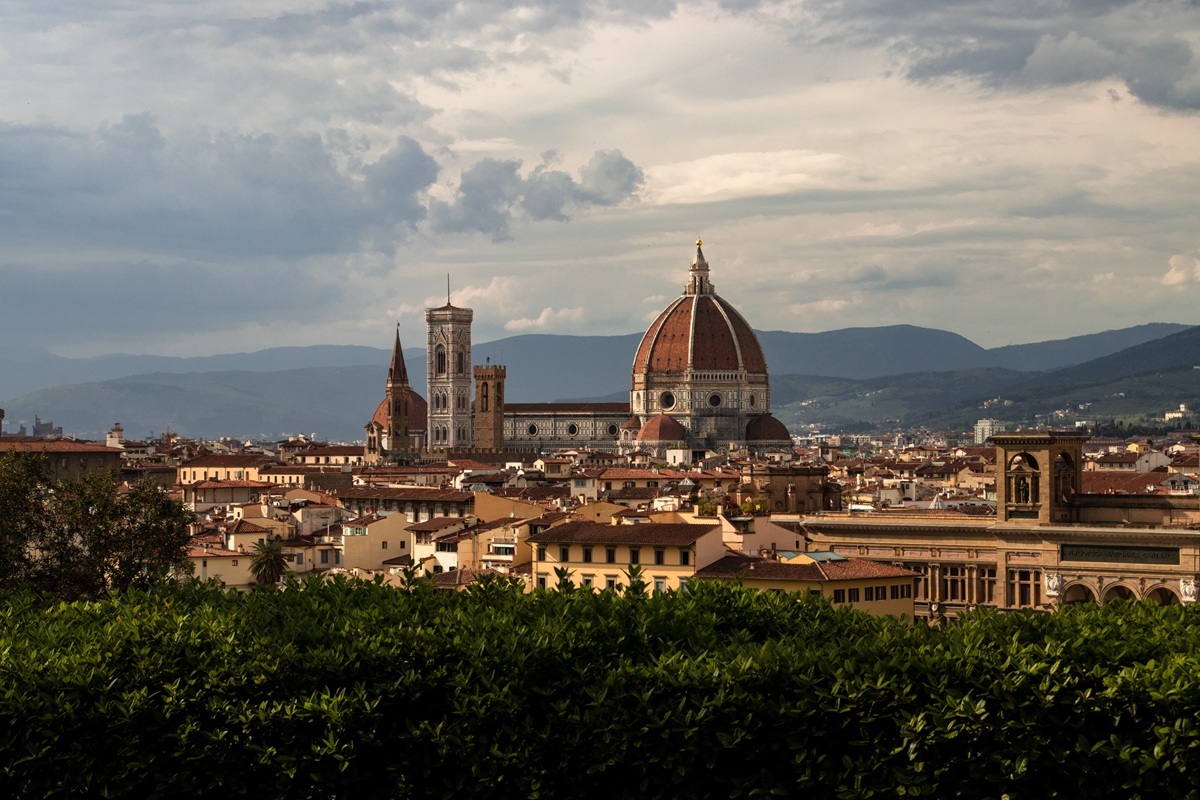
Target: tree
[
  {"x": 22, "y": 513},
  {"x": 268, "y": 565},
  {"x": 79, "y": 538}
]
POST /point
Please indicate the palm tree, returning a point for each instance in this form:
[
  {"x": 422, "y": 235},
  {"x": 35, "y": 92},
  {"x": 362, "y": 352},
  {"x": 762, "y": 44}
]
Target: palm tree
[{"x": 268, "y": 565}]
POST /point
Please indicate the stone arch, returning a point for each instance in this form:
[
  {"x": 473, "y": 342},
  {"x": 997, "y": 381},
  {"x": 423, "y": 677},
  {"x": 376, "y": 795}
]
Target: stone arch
[
  {"x": 1022, "y": 461},
  {"x": 1163, "y": 595},
  {"x": 1078, "y": 593},
  {"x": 1064, "y": 477},
  {"x": 1118, "y": 591}
]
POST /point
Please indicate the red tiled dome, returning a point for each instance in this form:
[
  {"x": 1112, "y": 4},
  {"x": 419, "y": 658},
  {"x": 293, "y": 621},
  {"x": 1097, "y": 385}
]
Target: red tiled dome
[
  {"x": 765, "y": 428},
  {"x": 662, "y": 429},
  {"x": 632, "y": 424},
  {"x": 417, "y": 413},
  {"x": 699, "y": 331}
]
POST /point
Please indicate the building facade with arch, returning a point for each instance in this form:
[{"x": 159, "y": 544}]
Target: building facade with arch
[{"x": 1050, "y": 544}]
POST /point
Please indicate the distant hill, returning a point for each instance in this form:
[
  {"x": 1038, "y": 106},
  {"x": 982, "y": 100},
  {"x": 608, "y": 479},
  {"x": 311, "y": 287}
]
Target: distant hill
[
  {"x": 867, "y": 377},
  {"x": 1147, "y": 379},
  {"x": 1043, "y": 356},
  {"x": 333, "y": 402}
]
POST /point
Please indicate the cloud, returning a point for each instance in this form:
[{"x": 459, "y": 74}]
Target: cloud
[
  {"x": 492, "y": 194},
  {"x": 500, "y": 291},
  {"x": 549, "y": 318},
  {"x": 1184, "y": 269},
  {"x": 1033, "y": 44},
  {"x": 201, "y": 194},
  {"x": 744, "y": 174},
  {"x": 827, "y": 305}
]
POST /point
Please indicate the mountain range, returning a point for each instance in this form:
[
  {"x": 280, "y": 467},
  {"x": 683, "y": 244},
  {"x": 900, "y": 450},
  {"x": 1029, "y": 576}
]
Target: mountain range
[{"x": 850, "y": 378}]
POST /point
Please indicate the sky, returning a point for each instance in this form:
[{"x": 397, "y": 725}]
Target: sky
[{"x": 208, "y": 176}]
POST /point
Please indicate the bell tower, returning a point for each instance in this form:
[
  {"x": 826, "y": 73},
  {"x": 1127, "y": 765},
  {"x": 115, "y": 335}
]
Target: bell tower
[
  {"x": 448, "y": 368},
  {"x": 399, "y": 401},
  {"x": 489, "y": 406},
  {"x": 1037, "y": 476}
]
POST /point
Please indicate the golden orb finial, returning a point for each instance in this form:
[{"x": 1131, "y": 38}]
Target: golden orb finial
[{"x": 698, "y": 242}]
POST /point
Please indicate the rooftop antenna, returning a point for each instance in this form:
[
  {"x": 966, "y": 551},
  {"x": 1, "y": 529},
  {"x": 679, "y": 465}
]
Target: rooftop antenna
[{"x": 447, "y": 288}]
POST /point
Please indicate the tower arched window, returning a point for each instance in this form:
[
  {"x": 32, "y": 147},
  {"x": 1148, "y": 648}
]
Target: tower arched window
[
  {"x": 460, "y": 362},
  {"x": 439, "y": 357},
  {"x": 483, "y": 397}
]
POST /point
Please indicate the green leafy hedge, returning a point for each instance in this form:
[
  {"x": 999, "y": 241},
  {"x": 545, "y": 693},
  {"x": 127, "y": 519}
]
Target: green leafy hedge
[{"x": 356, "y": 690}]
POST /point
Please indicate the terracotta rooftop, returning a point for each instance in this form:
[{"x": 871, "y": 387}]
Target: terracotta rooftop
[
  {"x": 599, "y": 533},
  {"x": 737, "y": 566}
]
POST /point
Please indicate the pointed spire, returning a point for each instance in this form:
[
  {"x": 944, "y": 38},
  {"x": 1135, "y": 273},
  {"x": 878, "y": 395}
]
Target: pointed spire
[{"x": 397, "y": 372}]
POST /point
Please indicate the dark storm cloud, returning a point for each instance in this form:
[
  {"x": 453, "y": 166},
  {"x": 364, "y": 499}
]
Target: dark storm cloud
[
  {"x": 1026, "y": 43},
  {"x": 200, "y": 195},
  {"x": 492, "y": 193}
]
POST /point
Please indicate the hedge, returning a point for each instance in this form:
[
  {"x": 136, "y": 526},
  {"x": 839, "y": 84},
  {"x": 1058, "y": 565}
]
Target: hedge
[{"x": 348, "y": 689}]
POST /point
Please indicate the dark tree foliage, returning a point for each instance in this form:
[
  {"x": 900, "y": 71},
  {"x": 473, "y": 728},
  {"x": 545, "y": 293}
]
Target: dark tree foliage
[
  {"x": 80, "y": 537},
  {"x": 341, "y": 689}
]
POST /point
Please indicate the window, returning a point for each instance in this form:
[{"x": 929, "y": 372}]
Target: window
[
  {"x": 440, "y": 359},
  {"x": 635, "y": 555},
  {"x": 403, "y": 545},
  {"x": 660, "y": 584},
  {"x": 852, "y": 595},
  {"x": 541, "y": 554},
  {"x": 1024, "y": 587},
  {"x": 839, "y": 595},
  {"x": 685, "y": 557},
  {"x": 337, "y": 555},
  {"x": 814, "y": 592},
  {"x": 954, "y": 584},
  {"x": 610, "y": 555},
  {"x": 564, "y": 552},
  {"x": 324, "y": 556},
  {"x": 895, "y": 591},
  {"x": 610, "y": 581},
  {"x": 660, "y": 556},
  {"x": 233, "y": 563},
  {"x": 299, "y": 558},
  {"x": 587, "y": 581},
  {"x": 587, "y": 554},
  {"x": 985, "y": 590},
  {"x": 383, "y": 545},
  {"x": 868, "y": 594},
  {"x": 541, "y": 582},
  {"x": 683, "y": 584}
]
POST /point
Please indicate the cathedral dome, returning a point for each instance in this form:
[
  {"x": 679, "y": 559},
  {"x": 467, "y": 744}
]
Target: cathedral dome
[
  {"x": 765, "y": 428},
  {"x": 417, "y": 413},
  {"x": 699, "y": 331},
  {"x": 662, "y": 429}
]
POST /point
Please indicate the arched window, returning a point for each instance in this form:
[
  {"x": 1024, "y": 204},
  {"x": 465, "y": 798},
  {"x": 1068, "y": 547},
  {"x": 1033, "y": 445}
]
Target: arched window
[
  {"x": 439, "y": 356},
  {"x": 460, "y": 362},
  {"x": 483, "y": 397}
]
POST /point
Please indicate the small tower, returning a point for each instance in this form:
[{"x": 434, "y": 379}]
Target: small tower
[
  {"x": 1037, "y": 476},
  {"x": 449, "y": 369},
  {"x": 399, "y": 401},
  {"x": 489, "y": 406}
]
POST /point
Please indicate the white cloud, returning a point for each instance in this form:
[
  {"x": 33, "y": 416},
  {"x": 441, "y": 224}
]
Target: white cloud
[
  {"x": 1184, "y": 269},
  {"x": 735, "y": 175},
  {"x": 550, "y": 318}
]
